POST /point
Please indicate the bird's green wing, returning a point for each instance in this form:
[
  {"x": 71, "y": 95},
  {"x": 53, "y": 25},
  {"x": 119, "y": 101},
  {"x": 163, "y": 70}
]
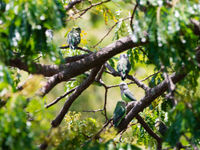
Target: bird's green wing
[
  {"x": 128, "y": 67},
  {"x": 119, "y": 66},
  {"x": 129, "y": 95},
  {"x": 119, "y": 113}
]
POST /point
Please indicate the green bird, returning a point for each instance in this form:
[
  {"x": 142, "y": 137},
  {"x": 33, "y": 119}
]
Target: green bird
[
  {"x": 123, "y": 66},
  {"x": 126, "y": 93},
  {"x": 74, "y": 38},
  {"x": 161, "y": 127},
  {"x": 119, "y": 113}
]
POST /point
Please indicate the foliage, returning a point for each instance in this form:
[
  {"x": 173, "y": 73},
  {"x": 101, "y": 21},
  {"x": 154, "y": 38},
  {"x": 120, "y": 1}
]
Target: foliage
[
  {"x": 168, "y": 44},
  {"x": 16, "y": 132},
  {"x": 23, "y": 26}
]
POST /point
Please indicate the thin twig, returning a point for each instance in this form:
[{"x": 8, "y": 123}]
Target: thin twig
[
  {"x": 60, "y": 97},
  {"x": 98, "y": 133},
  {"x": 94, "y": 111},
  {"x": 132, "y": 78},
  {"x": 109, "y": 31},
  {"x": 150, "y": 76},
  {"x": 99, "y": 75},
  {"x": 72, "y": 4},
  {"x": 21, "y": 86},
  {"x": 122, "y": 132},
  {"x": 105, "y": 102},
  {"x": 132, "y": 16},
  {"x": 44, "y": 145},
  {"x": 117, "y": 85},
  {"x": 82, "y": 12},
  {"x": 139, "y": 83},
  {"x": 79, "y": 48}
]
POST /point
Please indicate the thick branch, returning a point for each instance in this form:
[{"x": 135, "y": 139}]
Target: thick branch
[
  {"x": 56, "y": 122},
  {"x": 99, "y": 58},
  {"x": 146, "y": 101},
  {"x": 150, "y": 131},
  {"x": 46, "y": 70},
  {"x": 75, "y": 58}
]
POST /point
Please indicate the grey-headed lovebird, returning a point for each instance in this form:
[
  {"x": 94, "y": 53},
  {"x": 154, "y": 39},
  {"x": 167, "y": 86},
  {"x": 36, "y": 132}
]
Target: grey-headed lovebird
[
  {"x": 119, "y": 113},
  {"x": 123, "y": 66},
  {"x": 74, "y": 38},
  {"x": 126, "y": 93},
  {"x": 161, "y": 127}
]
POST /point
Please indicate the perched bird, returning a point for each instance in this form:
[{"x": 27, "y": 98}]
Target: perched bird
[
  {"x": 74, "y": 38},
  {"x": 119, "y": 113},
  {"x": 161, "y": 127},
  {"x": 123, "y": 66},
  {"x": 126, "y": 93}
]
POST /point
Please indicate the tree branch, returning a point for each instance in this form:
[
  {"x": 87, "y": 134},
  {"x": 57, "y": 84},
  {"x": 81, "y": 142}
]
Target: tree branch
[
  {"x": 82, "y": 12},
  {"x": 132, "y": 16},
  {"x": 150, "y": 131},
  {"x": 60, "y": 97},
  {"x": 132, "y": 78},
  {"x": 150, "y": 97},
  {"x": 109, "y": 31},
  {"x": 91, "y": 61},
  {"x": 56, "y": 122},
  {"x": 46, "y": 70},
  {"x": 75, "y": 58},
  {"x": 79, "y": 48},
  {"x": 139, "y": 83},
  {"x": 72, "y": 4}
]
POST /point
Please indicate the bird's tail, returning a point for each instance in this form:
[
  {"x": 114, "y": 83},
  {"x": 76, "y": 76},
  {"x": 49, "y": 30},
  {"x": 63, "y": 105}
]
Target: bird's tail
[
  {"x": 72, "y": 47},
  {"x": 123, "y": 76},
  {"x": 116, "y": 123}
]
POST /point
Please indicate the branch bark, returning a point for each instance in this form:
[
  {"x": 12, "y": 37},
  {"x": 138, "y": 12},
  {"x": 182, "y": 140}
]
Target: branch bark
[
  {"x": 98, "y": 58},
  {"x": 150, "y": 131},
  {"x": 72, "y": 4},
  {"x": 60, "y": 97},
  {"x": 150, "y": 97},
  {"x": 56, "y": 122},
  {"x": 46, "y": 70}
]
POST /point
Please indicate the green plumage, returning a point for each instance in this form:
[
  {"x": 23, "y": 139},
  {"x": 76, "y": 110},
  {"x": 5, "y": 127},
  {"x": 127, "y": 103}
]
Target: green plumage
[
  {"x": 123, "y": 66},
  {"x": 126, "y": 93},
  {"x": 74, "y": 38},
  {"x": 119, "y": 113}
]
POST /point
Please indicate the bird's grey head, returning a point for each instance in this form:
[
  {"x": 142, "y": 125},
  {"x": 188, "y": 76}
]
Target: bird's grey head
[
  {"x": 123, "y": 56},
  {"x": 78, "y": 29},
  {"x": 123, "y": 86}
]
